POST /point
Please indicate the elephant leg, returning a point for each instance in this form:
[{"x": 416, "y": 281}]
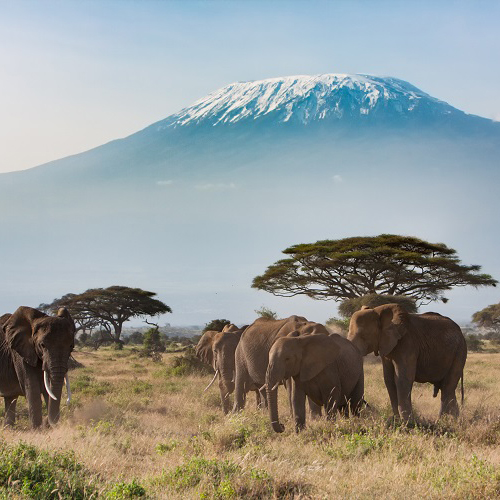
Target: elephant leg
[
  {"x": 390, "y": 383},
  {"x": 356, "y": 398},
  {"x": 314, "y": 409},
  {"x": 404, "y": 385},
  {"x": 289, "y": 389},
  {"x": 239, "y": 392},
  {"x": 333, "y": 402},
  {"x": 263, "y": 398},
  {"x": 449, "y": 405},
  {"x": 258, "y": 399},
  {"x": 299, "y": 406},
  {"x": 46, "y": 399},
  {"x": 34, "y": 407},
  {"x": 10, "y": 410},
  {"x": 224, "y": 397}
]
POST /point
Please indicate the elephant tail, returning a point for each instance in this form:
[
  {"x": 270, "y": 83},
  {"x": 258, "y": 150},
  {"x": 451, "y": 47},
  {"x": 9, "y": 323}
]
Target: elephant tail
[
  {"x": 462, "y": 379},
  {"x": 436, "y": 390}
]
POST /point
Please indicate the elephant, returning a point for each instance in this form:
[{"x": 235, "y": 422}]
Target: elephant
[
  {"x": 252, "y": 353},
  {"x": 329, "y": 370},
  {"x": 217, "y": 349},
  {"x": 414, "y": 348},
  {"x": 34, "y": 353}
]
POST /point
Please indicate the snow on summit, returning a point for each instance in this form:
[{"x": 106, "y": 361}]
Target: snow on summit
[{"x": 305, "y": 99}]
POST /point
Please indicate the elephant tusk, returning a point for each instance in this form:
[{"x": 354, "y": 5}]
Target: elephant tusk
[
  {"x": 47, "y": 385},
  {"x": 263, "y": 387},
  {"x": 68, "y": 388},
  {"x": 213, "y": 380},
  {"x": 275, "y": 386}
]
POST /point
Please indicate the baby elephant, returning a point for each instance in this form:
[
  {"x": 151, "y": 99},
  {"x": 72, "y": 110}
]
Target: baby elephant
[{"x": 328, "y": 369}]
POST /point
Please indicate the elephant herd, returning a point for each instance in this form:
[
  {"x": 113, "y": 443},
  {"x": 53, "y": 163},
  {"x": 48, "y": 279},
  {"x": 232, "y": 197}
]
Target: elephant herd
[{"x": 327, "y": 369}]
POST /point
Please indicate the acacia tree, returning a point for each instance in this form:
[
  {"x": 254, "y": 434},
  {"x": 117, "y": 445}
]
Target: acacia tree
[
  {"x": 489, "y": 317},
  {"x": 85, "y": 321},
  {"x": 216, "y": 325},
  {"x": 110, "y": 307},
  {"x": 386, "y": 264}
]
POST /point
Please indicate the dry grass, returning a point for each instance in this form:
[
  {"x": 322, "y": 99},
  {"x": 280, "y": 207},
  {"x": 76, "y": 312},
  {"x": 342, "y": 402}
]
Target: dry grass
[{"x": 133, "y": 419}]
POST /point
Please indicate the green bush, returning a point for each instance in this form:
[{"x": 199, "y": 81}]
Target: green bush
[
  {"x": 217, "y": 325},
  {"x": 86, "y": 384},
  {"x": 266, "y": 313},
  {"x": 188, "y": 364},
  {"x": 33, "y": 473},
  {"x": 474, "y": 342},
  {"x": 126, "y": 490}
]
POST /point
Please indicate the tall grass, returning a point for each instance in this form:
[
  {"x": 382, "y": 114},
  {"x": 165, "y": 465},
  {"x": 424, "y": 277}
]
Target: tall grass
[{"x": 139, "y": 427}]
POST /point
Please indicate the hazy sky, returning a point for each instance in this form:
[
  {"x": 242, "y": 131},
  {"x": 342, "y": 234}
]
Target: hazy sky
[{"x": 77, "y": 74}]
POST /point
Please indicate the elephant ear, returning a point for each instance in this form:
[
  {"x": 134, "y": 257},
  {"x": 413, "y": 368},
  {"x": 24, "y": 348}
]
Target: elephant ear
[
  {"x": 393, "y": 326},
  {"x": 64, "y": 313},
  {"x": 230, "y": 328},
  {"x": 203, "y": 349},
  {"x": 19, "y": 333},
  {"x": 319, "y": 352}
]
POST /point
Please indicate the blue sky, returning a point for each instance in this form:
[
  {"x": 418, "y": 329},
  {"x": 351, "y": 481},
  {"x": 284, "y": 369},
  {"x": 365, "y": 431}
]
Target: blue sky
[{"x": 78, "y": 74}]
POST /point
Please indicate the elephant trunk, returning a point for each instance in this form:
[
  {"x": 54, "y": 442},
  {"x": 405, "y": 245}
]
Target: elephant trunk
[
  {"x": 56, "y": 381},
  {"x": 226, "y": 374},
  {"x": 272, "y": 381}
]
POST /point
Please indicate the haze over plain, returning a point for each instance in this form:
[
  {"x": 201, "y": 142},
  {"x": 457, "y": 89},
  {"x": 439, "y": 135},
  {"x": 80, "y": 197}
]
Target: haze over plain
[{"x": 198, "y": 243}]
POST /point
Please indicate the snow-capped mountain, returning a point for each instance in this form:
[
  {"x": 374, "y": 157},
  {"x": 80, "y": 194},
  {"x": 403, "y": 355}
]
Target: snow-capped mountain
[
  {"x": 196, "y": 205},
  {"x": 305, "y": 99}
]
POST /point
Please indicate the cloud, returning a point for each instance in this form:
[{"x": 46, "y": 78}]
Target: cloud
[
  {"x": 164, "y": 183},
  {"x": 337, "y": 179},
  {"x": 215, "y": 187}
]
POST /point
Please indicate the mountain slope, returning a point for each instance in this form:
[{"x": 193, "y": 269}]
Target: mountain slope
[{"x": 196, "y": 205}]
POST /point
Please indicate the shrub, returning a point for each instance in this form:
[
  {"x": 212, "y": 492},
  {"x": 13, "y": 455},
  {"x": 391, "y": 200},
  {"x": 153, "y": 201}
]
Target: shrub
[
  {"x": 216, "y": 325},
  {"x": 135, "y": 338},
  {"x": 337, "y": 325},
  {"x": 225, "y": 479},
  {"x": 34, "y": 473},
  {"x": 349, "y": 306},
  {"x": 266, "y": 313},
  {"x": 126, "y": 490},
  {"x": 153, "y": 342},
  {"x": 89, "y": 385},
  {"x": 188, "y": 364},
  {"x": 474, "y": 342}
]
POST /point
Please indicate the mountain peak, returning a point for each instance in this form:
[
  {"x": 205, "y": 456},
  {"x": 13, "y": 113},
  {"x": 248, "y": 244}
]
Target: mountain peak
[{"x": 310, "y": 98}]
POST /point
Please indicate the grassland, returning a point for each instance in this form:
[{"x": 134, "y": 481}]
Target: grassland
[{"x": 141, "y": 428}]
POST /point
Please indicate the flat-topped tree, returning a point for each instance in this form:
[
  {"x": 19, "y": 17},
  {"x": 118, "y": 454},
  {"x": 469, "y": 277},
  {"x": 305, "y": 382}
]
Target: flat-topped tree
[
  {"x": 111, "y": 307},
  {"x": 387, "y": 264},
  {"x": 489, "y": 317}
]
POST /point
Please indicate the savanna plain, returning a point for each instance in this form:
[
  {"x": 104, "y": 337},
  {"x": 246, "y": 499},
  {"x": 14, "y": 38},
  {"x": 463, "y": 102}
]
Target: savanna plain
[{"x": 138, "y": 427}]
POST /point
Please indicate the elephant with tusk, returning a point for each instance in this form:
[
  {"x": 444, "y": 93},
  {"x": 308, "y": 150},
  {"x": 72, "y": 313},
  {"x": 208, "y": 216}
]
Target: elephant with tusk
[
  {"x": 252, "y": 355},
  {"x": 34, "y": 353},
  {"x": 217, "y": 349}
]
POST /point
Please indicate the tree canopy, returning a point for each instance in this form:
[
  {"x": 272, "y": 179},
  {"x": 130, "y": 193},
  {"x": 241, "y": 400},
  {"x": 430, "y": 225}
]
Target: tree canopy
[
  {"x": 109, "y": 308},
  {"x": 386, "y": 265},
  {"x": 489, "y": 317},
  {"x": 216, "y": 325},
  {"x": 349, "y": 306}
]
